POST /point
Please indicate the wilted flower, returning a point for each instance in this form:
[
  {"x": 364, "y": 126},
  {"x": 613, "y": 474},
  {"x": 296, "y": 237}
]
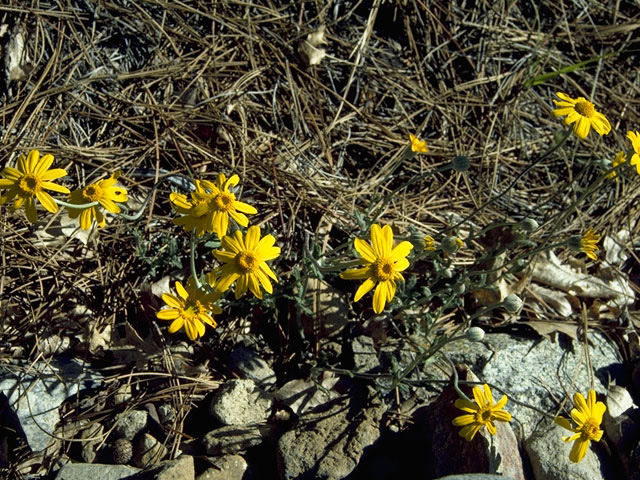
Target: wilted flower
[
  {"x": 418, "y": 145},
  {"x": 587, "y": 243},
  {"x": 429, "y": 243},
  {"x": 635, "y": 142}
]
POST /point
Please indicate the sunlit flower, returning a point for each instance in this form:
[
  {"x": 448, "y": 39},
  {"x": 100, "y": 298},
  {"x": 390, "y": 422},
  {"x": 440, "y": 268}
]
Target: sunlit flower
[
  {"x": 211, "y": 206},
  {"x": 635, "y": 142},
  {"x": 428, "y": 243},
  {"x": 383, "y": 264},
  {"x": 244, "y": 259},
  {"x": 418, "y": 145},
  {"x": 182, "y": 205},
  {"x": 105, "y": 193},
  {"x": 619, "y": 160},
  {"x": 29, "y": 181},
  {"x": 191, "y": 309},
  {"x": 582, "y": 113},
  {"x": 480, "y": 414},
  {"x": 589, "y": 244},
  {"x": 587, "y": 417}
]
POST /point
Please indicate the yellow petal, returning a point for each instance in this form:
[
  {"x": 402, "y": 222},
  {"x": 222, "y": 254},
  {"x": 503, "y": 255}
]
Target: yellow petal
[
  {"x": 463, "y": 420},
  {"x": 579, "y": 450},
  {"x": 44, "y": 164},
  {"x": 176, "y": 325},
  {"x": 47, "y": 201},
  {"x": 364, "y": 249},
  {"x": 364, "y": 288},
  {"x": 380, "y": 297}
]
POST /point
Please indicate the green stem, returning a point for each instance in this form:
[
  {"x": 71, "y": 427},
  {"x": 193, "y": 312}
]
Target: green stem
[
  {"x": 75, "y": 206},
  {"x": 192, "y": 261}
]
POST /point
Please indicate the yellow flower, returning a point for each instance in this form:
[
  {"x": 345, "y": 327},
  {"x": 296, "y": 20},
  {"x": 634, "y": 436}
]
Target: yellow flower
[
  {"x": 620, "y": 159},
  {"x": 586, "y": 417},
  {"x": 189, "y": 221},
  {"x": 589, "y": 244},
  {"x": 221, "y": 204},
  {"x": 191, "y": 309},
  {"x": 211, "y": 206},
  {"x": 28, "y": 182},
  {"x": 480, "y": 414},
  {"x": 429, "y": 243},
  {"x": 105, "y": 193},
  {"x": 418, "y": 145},
  {"x": 635, "y": 142},
  {"x": 383, "y": 264},
  {"x": 244, "y": 259},
  {"x": 582, "y": 113}
]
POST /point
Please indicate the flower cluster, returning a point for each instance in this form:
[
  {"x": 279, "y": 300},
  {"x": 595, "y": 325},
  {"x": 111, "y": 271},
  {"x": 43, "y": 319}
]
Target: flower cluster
[
  {"x": 243, "y": 256},
  {"x": 33, "y": 175}
]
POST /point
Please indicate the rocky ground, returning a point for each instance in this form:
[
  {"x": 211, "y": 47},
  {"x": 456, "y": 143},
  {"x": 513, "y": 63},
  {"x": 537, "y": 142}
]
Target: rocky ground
[{"x": 312, "y": 104}]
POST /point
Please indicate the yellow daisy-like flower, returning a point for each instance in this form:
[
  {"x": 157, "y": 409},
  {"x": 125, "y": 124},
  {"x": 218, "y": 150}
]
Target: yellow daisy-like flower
[
  {"x": 244, "y": 259},
  {"x": 589, "y": 244},
  {"x": 418, "y": 145},
  {"x": 105, "y": 193},
  {"x": 587, "y": 417},
  {"x": 221, "y": 204},
  {"x": 189, "y": 221},
  {"x": 191, "y": 309},
  {"x": 480, "y": 414},
  {"x": 619, "y": 160},
  {"x": 29, "y": 181},
  {"x": 582, "y": 113},
  {"x": 211, "y": 206},
  {"x": 635, "y": 142},
  {"x": 383, "y": 264},
  {"x": 429, "y": 243}
]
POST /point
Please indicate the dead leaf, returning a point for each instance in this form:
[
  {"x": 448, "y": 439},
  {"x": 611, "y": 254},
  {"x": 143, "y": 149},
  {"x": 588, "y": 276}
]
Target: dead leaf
[
  {"x": 310, "y": 49},
  {"x": 545, "y": 329}
]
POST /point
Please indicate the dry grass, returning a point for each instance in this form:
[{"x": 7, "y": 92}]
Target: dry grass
[{"x": 155, "y": 88}]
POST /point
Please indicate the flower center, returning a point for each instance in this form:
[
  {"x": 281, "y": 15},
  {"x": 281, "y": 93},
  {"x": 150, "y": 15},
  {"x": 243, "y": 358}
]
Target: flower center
[
  {"x": 585, "y": 108},
  {"x": 483, "y": 415},
  {"x": 224, "y": 201},
  {"x": 247, "y": 261},
  {"x": 590, "y": 429},
  {"x": 29, "y": 184},
  {"x": 383, "y": 269},
  {"x": 92, "y": 193}
]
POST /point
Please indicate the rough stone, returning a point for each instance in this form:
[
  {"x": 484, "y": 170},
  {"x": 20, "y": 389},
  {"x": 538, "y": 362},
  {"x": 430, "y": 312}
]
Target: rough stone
[
  {"x": 303, "y": 395},
  {"x": 365, "y": 357},
  {"x": 231, "y": 439},
  {"x": 240, "y": 402},
  {"x": 475, "y": 476},
  {"x": 93, "y": 435},
  {"x": 179, "y": 469},
  {"x": 36, "y": 395},
  {"x": 148, "y": 451},
  {"x": 166, "y": 413},
  {"x": 549, "y": 457},
  {"x": 83, "y": 471},
  {"x": 327, "y": 444},
  {"x": 227, "y": 467},
  {"x": 249, "y": 364},
  {"x": 129, "y": 424},
  {"x": 536, "y": 371}
]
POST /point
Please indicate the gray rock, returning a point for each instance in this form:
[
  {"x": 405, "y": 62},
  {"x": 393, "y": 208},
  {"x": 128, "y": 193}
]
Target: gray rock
[
  {"x": 93, "y": 437},
  {"x": 148, "y": 451},
  {"x": 249, "y": 364},
  {"x": 365, "y": 357},
  {"x": 36, "y": 391},
  {"x": 166, "y": 413},
  {"x": 549, "y": 457},
  {"x": 228, "y": 467},
  {"x": 303, "y": 395},
  {"x": 327, "y": 443},
  {"x": 231, "y": 439},
  {"x": 240, "y": 402},
  {"x": 534, "y": 371},
  {"x": 179, "y": 469},
  {"x": 84, "y": 471},
  {"x": 129, "y": 424}
]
